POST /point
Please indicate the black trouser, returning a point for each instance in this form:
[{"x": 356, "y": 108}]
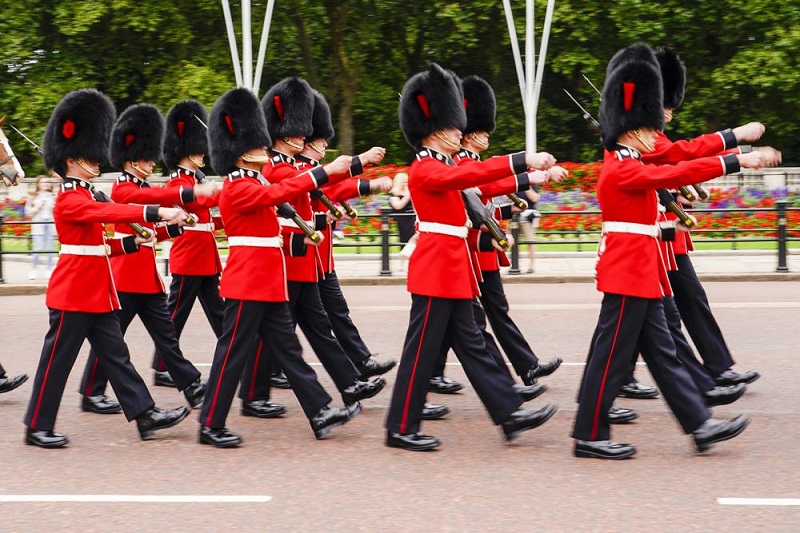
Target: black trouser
[
  {"x": 62, "y": 343},
  {"x": 307, "y": 312},
  {"x": 692, "y": 302},
  {"x": 244, "y": 323},
  {"x": 491, "y": 345},
  {"x": 339, "y": 315},
  {"x": 182, "y": 293},
  {"x": 152, "y": 310},
  {"x": 625, "y": 325},
  {"x": 432, "y": 320}
]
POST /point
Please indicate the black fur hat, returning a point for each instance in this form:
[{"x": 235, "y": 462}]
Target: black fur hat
[
  {"x": 235, "y": 126},
  {"x": 138, "y": 135},
  {"x": 673, "y": 73},
  {"x": 633, "y": 98},
  {"x": 80, "y": 126},
  {"x": 480, "y": 104},
  {"x": 321, "y": 119},
  {"x": 634, "y": 52},
  {"x": 288, "y": 108},
  {"x": 185, "y": 134},
  {"x": 431, "y": 101}
]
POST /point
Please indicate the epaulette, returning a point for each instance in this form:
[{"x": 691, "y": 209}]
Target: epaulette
[
  {"x": 433, "y": 154},
  {"x": 626, "y": 152},
  {"x": 468, "y": 154},
  {"x": 133, "y": 179},
  {"x": 277, "y": 158},
  {"x": 247, "y": 173}
]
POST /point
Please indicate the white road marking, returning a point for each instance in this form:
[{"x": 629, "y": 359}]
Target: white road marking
[
  {"x": 758, "y": 501},
  {"x": 133, "y": 498},
  {"x": 591, "y": 306},
  {"x": 449, "y": 364}
]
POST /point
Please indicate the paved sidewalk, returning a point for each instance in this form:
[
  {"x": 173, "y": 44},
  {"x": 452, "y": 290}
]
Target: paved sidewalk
[{"x": 551, "y": 267}]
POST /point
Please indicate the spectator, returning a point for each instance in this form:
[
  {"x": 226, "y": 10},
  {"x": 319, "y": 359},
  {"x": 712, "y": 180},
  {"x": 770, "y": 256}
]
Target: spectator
[
  {"x": 529, "y": 221},
  {"x": 400, "y": 201},
  {"x": 40, "y": 209}
]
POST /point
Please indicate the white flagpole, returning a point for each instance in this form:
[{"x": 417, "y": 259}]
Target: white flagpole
[
  {"x": 237, "y": 67},
  {"x": 247, "y": 46},
  {"x": 262, "y": 49},
  {"x": 512, "y": 35},
  {"x": 530, "y": 68},
  {"x": 548, "y": 19}
]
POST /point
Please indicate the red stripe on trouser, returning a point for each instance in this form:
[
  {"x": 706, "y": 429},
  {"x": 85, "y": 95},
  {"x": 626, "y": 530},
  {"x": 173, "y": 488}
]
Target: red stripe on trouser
[
  {"x": 404, "y": 419},
  {"x": 252, "y": 391},
  {"x": 224, "y": 362},
  {"x": 596, "y": 421},
  {"x": 35, "y": 416},
  {"x": 91, "y": 377},
  {"x": 178, "y": 299}
]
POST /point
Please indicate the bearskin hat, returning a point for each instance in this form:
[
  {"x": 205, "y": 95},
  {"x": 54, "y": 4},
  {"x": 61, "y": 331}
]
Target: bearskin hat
[
  {"x": 634, "y": 52},
  {"x": 431, "y": 101},
  {"x": 480, "y": 105},
  {"x": 185, "y": 134},
  {"x": 235, "y": 126},
  {"x": 321, "y": 119},
  {"x": 138, "y": 135},
  {"x": 673, "y": 73},
  {"x": 633, "y": 98},
  {"x": 80, "y": 127},
  {"x": 288, "y": 108}
]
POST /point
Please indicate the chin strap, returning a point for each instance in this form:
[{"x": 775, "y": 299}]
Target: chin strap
[
  {"x": 314, "y": 146},
  {"x": 667, "y": 115},
  {"x": 142, "y": 174},
  {"x": 649, "y": 146},
  {"x": 198, "y": 162},
  {"x": 85, "y": 166},
  {"x": 442, "y": 137},
  {"x": 296, "y": 146},
  {"x": 255, "y": 158},
  {"x": 477, "y": 140}
]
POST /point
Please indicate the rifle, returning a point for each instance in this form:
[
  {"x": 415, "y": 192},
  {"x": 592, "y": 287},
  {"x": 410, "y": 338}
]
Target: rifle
[
  {"x": 99, "y": 195},
  {"x": 517, "y": 201},
  {"x": 664, "y": 195},
  {"x": 319, "y": 195},
  {"x": 480, "y": 215}
]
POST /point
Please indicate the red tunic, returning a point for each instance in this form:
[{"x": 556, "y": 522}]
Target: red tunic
[
  {"x": 247, "y": 205},
  {"x": 441, "y": 265},
  {"x": 84, "y": 283},
  {"x": 195, "y": 252},
  {"x": 630, "y": 263},
  {"x": 138, "y": 273}
]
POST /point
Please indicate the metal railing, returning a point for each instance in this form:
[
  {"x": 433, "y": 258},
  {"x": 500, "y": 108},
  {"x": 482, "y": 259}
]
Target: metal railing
[{"x": 580, "y": 239}]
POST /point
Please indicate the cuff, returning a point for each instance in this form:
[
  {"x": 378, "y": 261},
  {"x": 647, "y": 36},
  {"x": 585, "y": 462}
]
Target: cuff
[
  {"x": 485, "y": 242},
  {"x": 667, "y": 231},
  {"x": 320, "y": 221},
  {"x": 506, "y": 212},
  {"x": 518, "y": 165},
  {"x": 129, "y": 245},
  {"x": 364, "y": 188},
  {"x": 187, "y": 195},
  {"x": 297, "y": 248},
  {"x": 174, "y": 230},
  {"x": 523, "y": 182},
  {"x": 356, "y": 167},
  {"x": 319, "y": 176},
  {"x": 730, "y": 164},
  {"x": 728, "y": 139},
  {"x": 151, "y": 213}
]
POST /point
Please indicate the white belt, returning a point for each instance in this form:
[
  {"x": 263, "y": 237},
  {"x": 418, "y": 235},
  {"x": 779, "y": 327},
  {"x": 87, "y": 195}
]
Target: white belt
[
  {"x": 259, "y": 242},
  {"x": 101, "y": 250},
  {"x": 292, "y": 224},
  {"x": 118, "y": 235},
  {"x": 648, "y": 230},
  {"x": 444, "y": 229},
  {"x": 208, "y": 226}
]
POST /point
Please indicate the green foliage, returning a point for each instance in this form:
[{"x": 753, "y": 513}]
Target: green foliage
[{"x": 742, "y": 60}]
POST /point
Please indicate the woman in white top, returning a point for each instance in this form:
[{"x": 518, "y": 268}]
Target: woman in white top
[{"x": 40, "y": 208}]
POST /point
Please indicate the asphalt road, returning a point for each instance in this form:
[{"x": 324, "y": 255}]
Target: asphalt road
[{"x": 474, "y": 482}]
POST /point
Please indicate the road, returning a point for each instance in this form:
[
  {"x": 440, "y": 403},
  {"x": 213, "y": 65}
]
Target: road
[{"x": 474, "y": 482}]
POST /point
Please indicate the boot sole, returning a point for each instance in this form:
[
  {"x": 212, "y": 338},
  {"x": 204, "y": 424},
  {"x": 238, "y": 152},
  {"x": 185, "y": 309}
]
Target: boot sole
[
  {"x": 528, "y": 397},
  {"x": 276, "y": 414},
  {"x": 443, "y": 414},
  {"x": 626, "y": 420},
  {"x": 425, "y": 448},
  {"x": 31, "y": 442},
  {"x": 548, "y": 416},
  {"x": 365, "y": 377},
  {"x": 587, "y": 454},
  {"x": 150, "y": 434},
  {"x": 231, "y": 444},
  {"x": 99, "y": 412},
  {"x": 706, "y": 445},
  {"x": 725, "y": 401}
]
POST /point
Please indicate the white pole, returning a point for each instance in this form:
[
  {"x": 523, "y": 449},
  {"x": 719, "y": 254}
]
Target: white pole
[
  {"x": 548, "y": 19},
  {"x": 512, "y": 35},
  {"x": 530, "y": 68},
  {"x": 262, "y": 49},
  {"x": 237, "y": 68},
  {"x": 247, "y": 45}
]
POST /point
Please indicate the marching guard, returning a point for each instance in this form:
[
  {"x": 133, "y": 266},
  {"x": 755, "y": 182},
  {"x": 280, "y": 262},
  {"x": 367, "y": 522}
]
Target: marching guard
[
  {"x": 81, "y": 296},
  {"x": 441, "y": 278},
  {"x": 136, "y": 145},
  {"x": 630, "y": 270}
]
